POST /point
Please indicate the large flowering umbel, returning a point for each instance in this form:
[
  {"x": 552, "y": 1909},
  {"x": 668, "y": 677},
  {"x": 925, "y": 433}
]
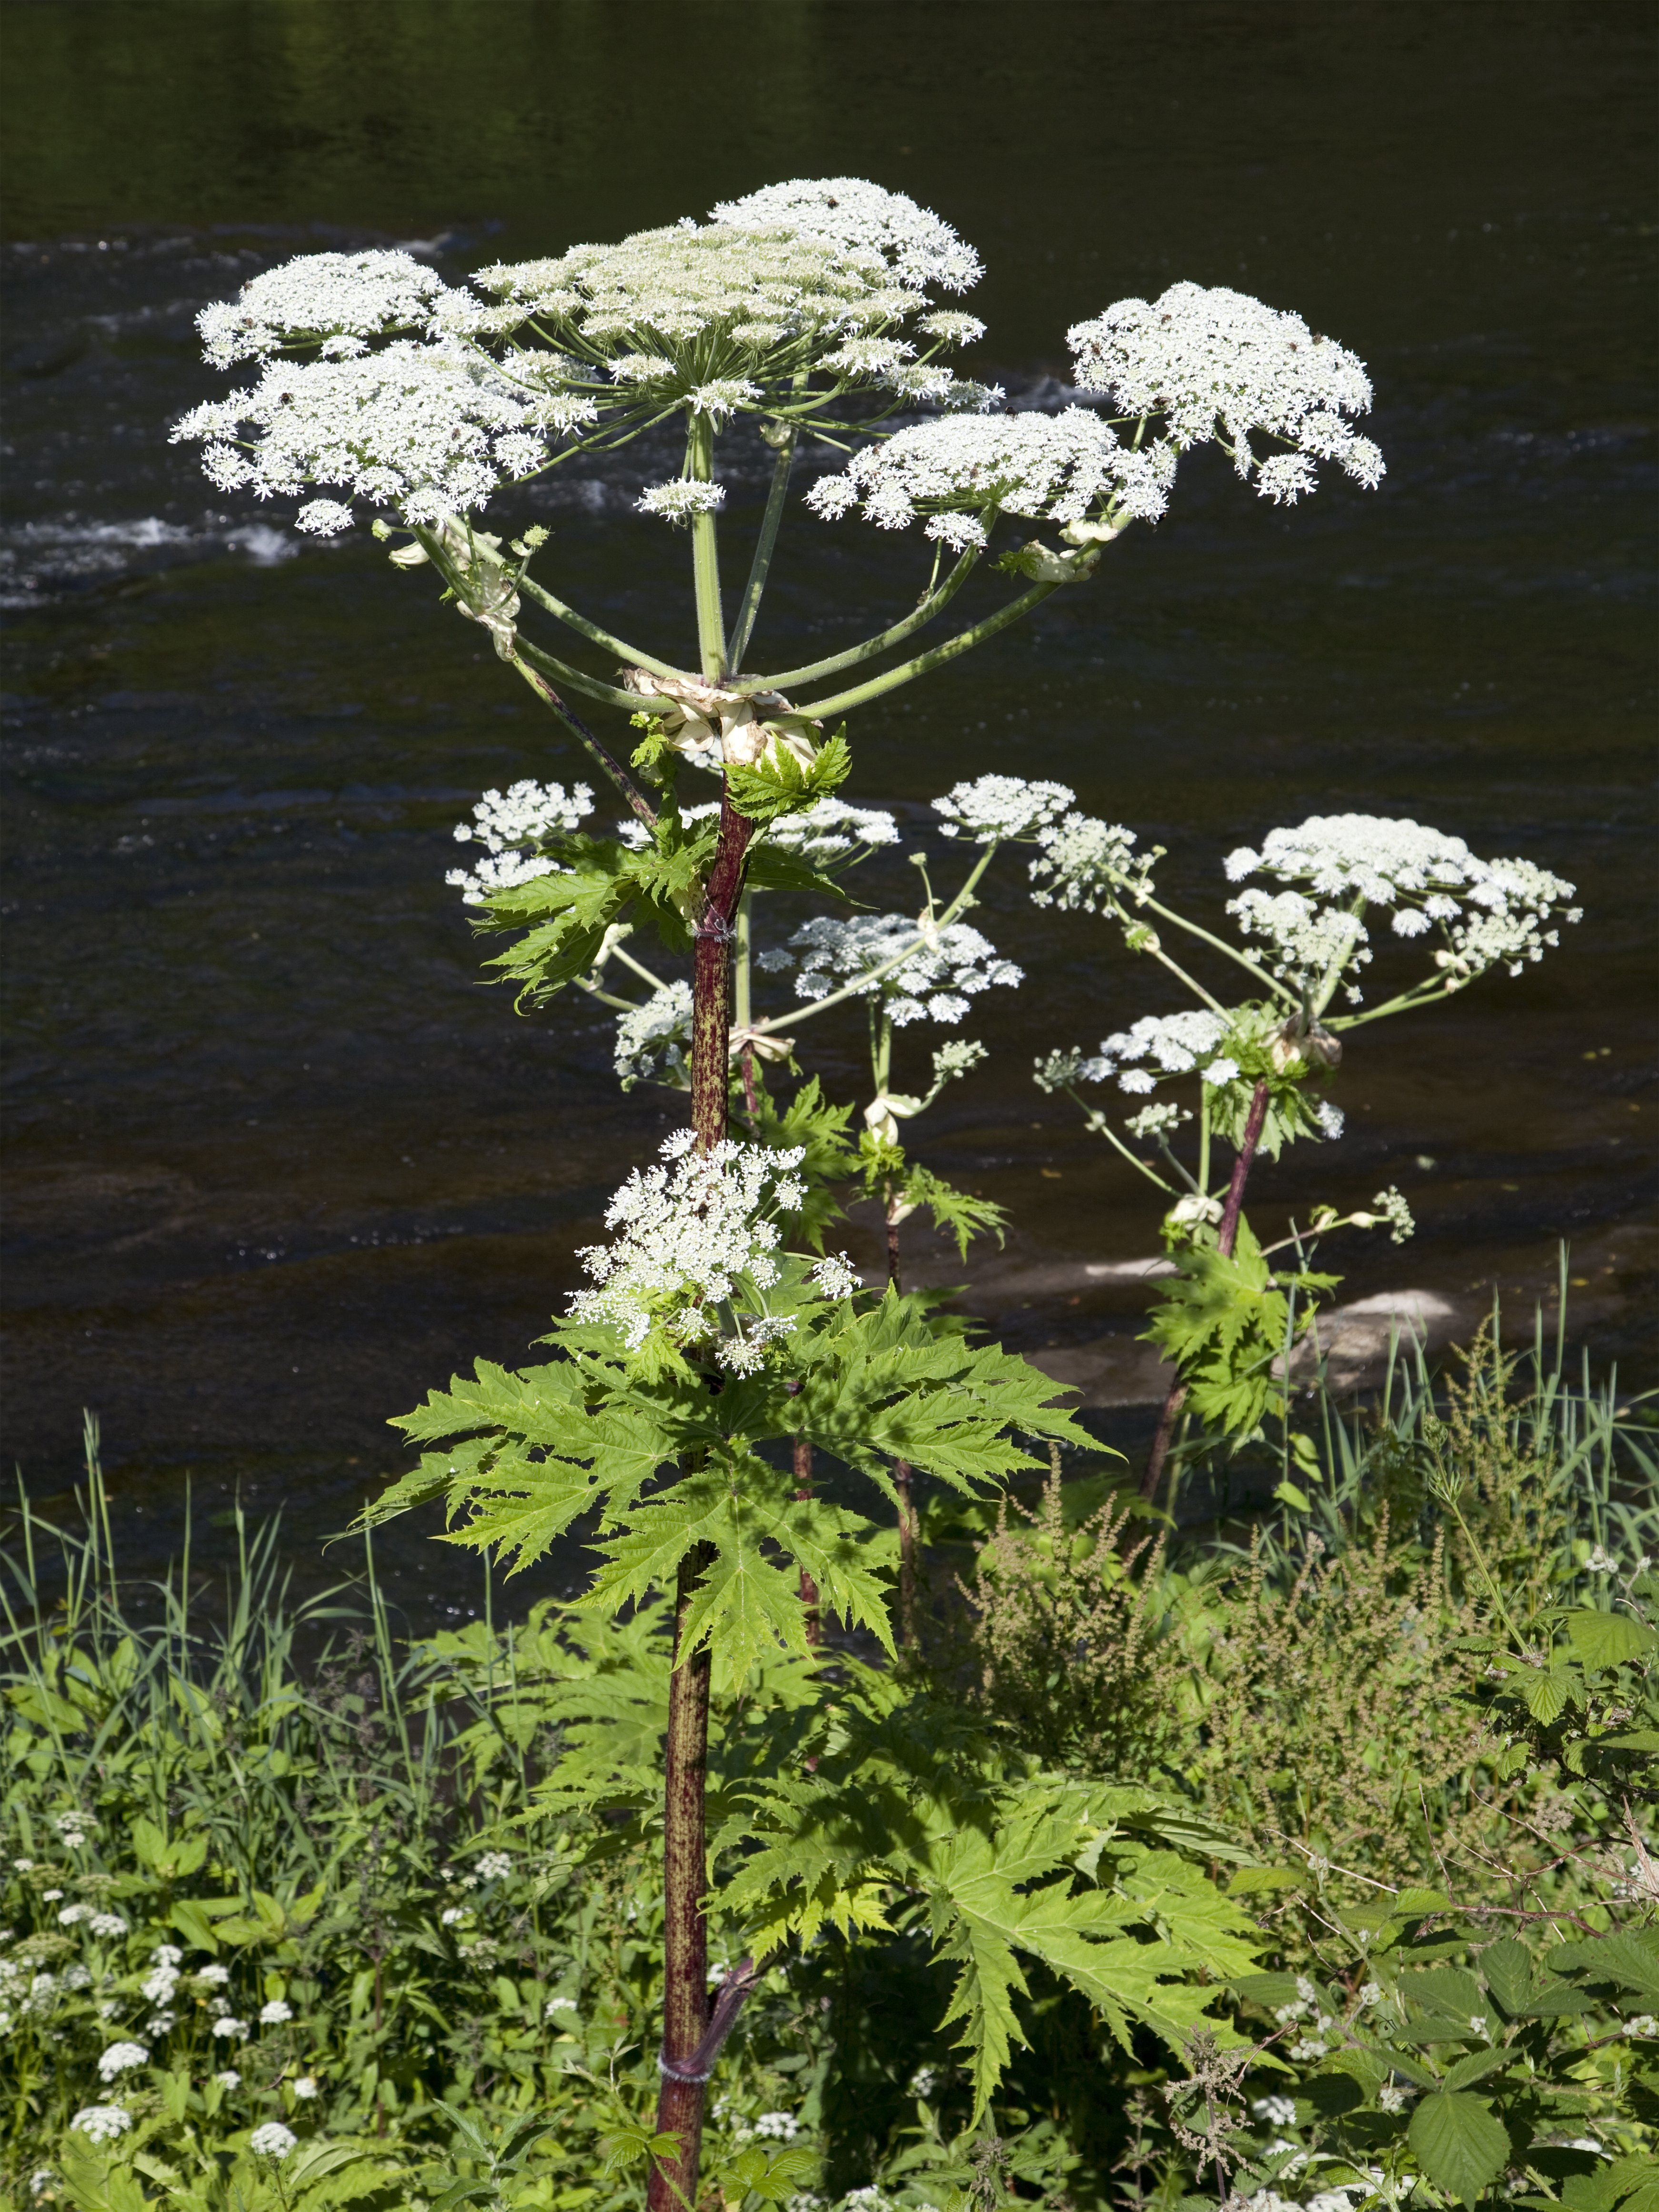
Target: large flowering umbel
[
  {"x": 1216, "y": 365},
  {"x": 959, "y": 473},
  {"x": 993, "y": 809},
  {"x": 1485, "y": 912},
  {"x": 696, "y": 1252},
  {"x": 422, "y": 398},
  {"x": 933, "y": 982},
  {"x": 513, "y": 826}
]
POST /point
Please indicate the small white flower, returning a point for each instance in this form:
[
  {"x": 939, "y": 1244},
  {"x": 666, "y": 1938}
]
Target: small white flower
[
  {"x": 1331, "y": 1118},
  {"x": 556, "y": 2005},
  {"x": 994, "y": 808},
  {"x": 1599, "y": 1562},
  {"x": 1478, "y": 2022},
  {"x": 451, "y": 1915},
  {"x": 1391, "y": 2098},
  {"x": 273, "y": 2140},
  {"x": 107, "y": 1924},
  {"x": 121, "y": 2058},
  {"x": 305, "y": 2087},
  {"x": 776, "y": 2127},
  {"x": 213, "y": 1976},
  {"x": 230, "y": 2078},
  {"x": 494, "y": 1866},
  {"x": 71, "y": 1914},
  {"x": 52, "y": 1896},
  {"x": 23, "y": 1866},
  {"x": 227, "y": 2027},
  {"x": 1642, "y": 2027},
  {"x": 1220, "y": 1071},
  {"x": 679, "y": 501},
  {"x": 166, "y": 1954},
  {"x": 837, "y": 1277},
  {"x": 1275, "y": 2111},
  {"x": 1370, "y": 1993},
  {"x": 274, "y": 2013},
  {"x": 102, "y": 2123}
]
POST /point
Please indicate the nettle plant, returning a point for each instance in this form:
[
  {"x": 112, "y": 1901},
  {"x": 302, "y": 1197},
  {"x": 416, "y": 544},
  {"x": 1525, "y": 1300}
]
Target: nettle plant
[
  {"x": 1257, "y": 1066},
  {"x": 804, "y": 314}
]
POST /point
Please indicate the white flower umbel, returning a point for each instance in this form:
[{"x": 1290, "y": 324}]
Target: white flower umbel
[
  {"x": 511, "y": 826},
  {"x": 949, "y": 966},
  {"x": 1312, "y": 945},
  {"x": 1486, "y": 912},
  {"x": 121, "y": 2058},
  {"x": 1157, "y": 1121},
  {"x": 994, "y": 808},
  {"x": 1392, "y": 1213},
  {"x": 1087, "y": 864},
  {"x": 696, "y": 1239},
  {"x": 1214, "y": 364},
  {"x": 1174, "y": 1043},
  {"x": 1052, "y": 468},
  {"x": 101, "y": 2123},
  {"x": 829, "y": 830},
  {"x": 273, "y": 2141},
  {"x": 427, "y": 431},
  {"x": 853, "y": 215},
  {"x": 680, "y": 499},
  {"x": 653, "y": 1040},
  {"x": 336, "y": 300}
]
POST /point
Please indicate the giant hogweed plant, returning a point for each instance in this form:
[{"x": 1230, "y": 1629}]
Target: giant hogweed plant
[
  {"x": 1229, "y": 1320},
  {"x": 805, "y": 312}
]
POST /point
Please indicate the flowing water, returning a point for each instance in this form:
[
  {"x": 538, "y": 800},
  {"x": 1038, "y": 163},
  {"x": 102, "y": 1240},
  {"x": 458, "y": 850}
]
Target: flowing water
[{"x": 277, "y": 1161}]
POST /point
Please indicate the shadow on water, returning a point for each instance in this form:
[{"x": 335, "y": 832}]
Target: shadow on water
[{"x": 276, "y": 1162}]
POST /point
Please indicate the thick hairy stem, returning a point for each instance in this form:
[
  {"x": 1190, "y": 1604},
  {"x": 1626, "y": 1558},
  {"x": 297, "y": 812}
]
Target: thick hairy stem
[
  {"x": 901, "y": 1471},
  {"x": 711, "y": 1007},
  {"x": 1226, "y": 1238},
  {"x": 685, "y": 1932},
  {"x": 809, "y": 1589}
]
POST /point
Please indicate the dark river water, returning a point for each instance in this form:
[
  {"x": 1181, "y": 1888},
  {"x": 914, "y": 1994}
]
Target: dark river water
[{"x": 277, "y": 1161}]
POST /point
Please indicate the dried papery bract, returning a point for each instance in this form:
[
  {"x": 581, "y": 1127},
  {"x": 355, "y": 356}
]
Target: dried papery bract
[{"x": 815, "y": 308}]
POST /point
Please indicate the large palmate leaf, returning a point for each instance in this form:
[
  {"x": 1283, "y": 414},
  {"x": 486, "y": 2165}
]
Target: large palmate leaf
[
  {"x": 658, "y": 1463},
  {"x": 1009, "y": 1869}
]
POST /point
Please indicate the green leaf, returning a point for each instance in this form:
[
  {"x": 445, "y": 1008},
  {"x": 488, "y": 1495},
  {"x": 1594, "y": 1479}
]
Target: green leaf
[
  {"x": 1248, "y": 1881},
  {"x": 1609, "y": 1639},
  {"x": 1479, "y": 2064},
  {"x": 1460, "y": 2145},
  {"x": 1546, "y": 1693}
]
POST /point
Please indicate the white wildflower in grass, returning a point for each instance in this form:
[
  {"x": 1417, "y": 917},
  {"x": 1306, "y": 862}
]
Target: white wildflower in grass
[
  {"x": 121, "y": 2058},
  {"x": 52, "y": 1896},
  {"x": 1642, "y": 2027},
  {"x": 1602, "y": 1562},
  {"x": 213, "y": 1976},
  {"x": 101, "y": 2123},
  {"x": 452, "y": 1915},
  {"x": 924, "y": 2081},
  {"x": 993, "y": 808},
  {"x": 305, "y": 2088},
  {"x": 275, "y": 2012},
  {"x": 109, "y": 1924},
  {"x": 229, "y": 2079},
  {"x": 501, "y": 872},
  {"x": 697, "y": 1235},
  {"x": 934, "y": 982},
  {"x": 77, "y": 1978},
  {"x": 1086, "y": 863},
  {"x": 555, "y": 2006},
  {"x": 1486, "y": 912},
  {"x": 654, "y": 1039},
  {"x": 494, "y": 1866},
  {"x": 1211, "y": 364},
  {"x": 1332, "y": 1119},
  {"x": 1221, "y": 1070},
  {"x": 1274, "y": 2112},
  {"x": 228, "y": 2026},
  {"x": 166, "y": 1955},
  {"x": 1369, "y": 1994},
  {"x": 680, "y": 499},
  {"x": 829, "y": 830},
  {"x": 73, "y": 1915},
  {"x": 1174, "y": 1043},
  {"x": 1047, "y": 468},
  {"x": 273, "y": 2140},
  {"x": 160, "y": 2024},
  {"x": 774, "y": 2127}
]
